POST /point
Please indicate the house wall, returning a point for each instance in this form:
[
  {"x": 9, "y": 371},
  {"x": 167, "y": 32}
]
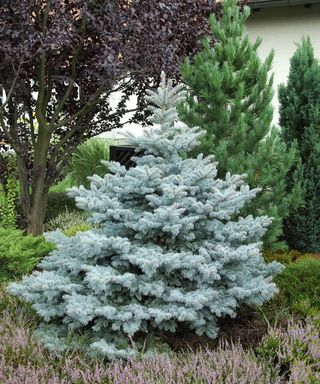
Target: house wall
[{"x": 280, "y": 28}]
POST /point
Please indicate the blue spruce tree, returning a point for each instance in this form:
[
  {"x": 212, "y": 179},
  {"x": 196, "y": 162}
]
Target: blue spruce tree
[{"x": 169, "y": 247}]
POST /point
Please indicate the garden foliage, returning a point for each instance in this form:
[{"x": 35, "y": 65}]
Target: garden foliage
[
  {"x": 230, "y": 98},
  {"x": 170, "y": 249},
  {"x": 20, "y": 254},
  {"x": 295, "y": 351},
  {"x": 24, "y": 360},
  {"x": 86, "y": 161},
  {"x": 299, "y": 121},
  {"x": 69, "y": 223},
  {"x": 72, "y": 59},
  {"x": 58, "y": 203},
  {"x": 299, "y": 286},
  {"x": 66, "y": 220},
  {"x": 286, "y": 355},
  {"x": 10, "y": 190}
]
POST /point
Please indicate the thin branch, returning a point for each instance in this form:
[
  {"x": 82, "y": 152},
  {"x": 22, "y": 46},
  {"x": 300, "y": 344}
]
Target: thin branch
[
  {"x": 81, "y": 111},
  {"x": 41, "y": 93},
  {"x": 119, "y": 125},
  {"x": 77, "y": 127},
  {"x": 72, "y": 81},
  {"x": 32, "y": 131},
  {"x": 12, "y": 87},
  {"x": 122, "y": 86},
  {"x": 4, "y": 127},
  {"x": 13, "y": 126},
  {"x": 89, "y": 104},
  {"x": 65, "y": 158},
  {"x": 40, "y": 112},
  {"x": 63, "y": 100},
  {"x": 127, "y": 111},
  {"x": 29, "y": 117},
  {"x": 48, "y": 92},
  {"x": 68, "y": 135},
  {"x": 24, "y": 185}
]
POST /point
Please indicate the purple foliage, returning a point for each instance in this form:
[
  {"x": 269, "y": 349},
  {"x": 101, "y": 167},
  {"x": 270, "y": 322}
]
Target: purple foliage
[
  {"x": 228, "y": 364},
  {"x": 23, "y": 360},
  {"x": 62, "y": 61},
  {"x": 296, "y": 350}
]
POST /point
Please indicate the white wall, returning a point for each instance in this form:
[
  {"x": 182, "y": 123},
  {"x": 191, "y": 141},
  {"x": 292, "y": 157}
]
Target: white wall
[{"x": 280, "y": 28}]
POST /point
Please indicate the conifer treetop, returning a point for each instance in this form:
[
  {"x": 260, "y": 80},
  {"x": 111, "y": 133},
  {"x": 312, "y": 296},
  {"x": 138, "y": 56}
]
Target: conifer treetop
[{"x": 166, "y": 136}]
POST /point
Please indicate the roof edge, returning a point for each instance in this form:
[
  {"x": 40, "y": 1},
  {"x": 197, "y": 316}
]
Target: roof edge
[{"x": 280, "y": 3}]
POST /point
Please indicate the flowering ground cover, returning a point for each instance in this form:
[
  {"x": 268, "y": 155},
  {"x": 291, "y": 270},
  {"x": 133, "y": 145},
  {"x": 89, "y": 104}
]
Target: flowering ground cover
[
  {"x": 23, "y": 360},
  {"x": 288, "y": 355}
]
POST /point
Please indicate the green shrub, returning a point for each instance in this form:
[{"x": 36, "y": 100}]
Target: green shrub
[
  {"x": 282, "y": 257},
  {"x": 298, "y": 284},
  {"x": 59, "y": 202},
  {"x": 8, "y": 212},
  {"x": 230, "y": 93},
  {"x": 86, "y": 161},
  {"x": 299, "y": 121},
  {"x": 299, "y": 287},
  {"x": 62, "y": 186},
  {"x": 270, "y": 345},
  {"x": 77, "y": 228},
  {"x": 287, "y": 257},
  {"x": 20, "y": 254},
  {"x": 10, "y": 191}
]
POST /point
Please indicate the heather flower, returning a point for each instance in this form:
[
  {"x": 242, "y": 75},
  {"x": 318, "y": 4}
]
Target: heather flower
[
  {"x": 302, "y": 373},
  {"x": 296, "y": 350},
  {"x": 228, "y": 364},
  {"x": 24, "y": 360}
]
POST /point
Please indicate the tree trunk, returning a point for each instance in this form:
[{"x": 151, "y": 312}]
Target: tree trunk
[
  {"x": 37, "y": 213},
  {"x": 33, "y": 199},
  {"x": 23, "y": 184},
  {"x": 39, "y": 188}
]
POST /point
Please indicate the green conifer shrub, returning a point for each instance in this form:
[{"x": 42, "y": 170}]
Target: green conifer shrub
[
  {"x": 300, "y": 122},
  {"x": 299, "y": 292},
  {"x": 171, "y": 247},
  {"x": 72, "y": 231},
  {"x": 10, "y": 191},
  {"x": 19, "y": 254},
  {"x": 299, "y": 285},
  {"x": 230, "y": 98}
]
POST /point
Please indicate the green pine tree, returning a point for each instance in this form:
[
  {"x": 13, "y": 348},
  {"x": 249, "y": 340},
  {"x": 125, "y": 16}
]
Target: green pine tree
[
  {"x": 300, "y": 122},
  {"x": 230, "y": 96}
]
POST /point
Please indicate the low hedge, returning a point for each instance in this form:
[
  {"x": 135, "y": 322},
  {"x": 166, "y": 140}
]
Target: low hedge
[{"x": 298, "y": 284}]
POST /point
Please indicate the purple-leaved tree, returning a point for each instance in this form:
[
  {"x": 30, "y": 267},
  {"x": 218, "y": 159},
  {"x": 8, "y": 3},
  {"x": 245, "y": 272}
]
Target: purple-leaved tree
[{"x": 61, "y": 62}]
